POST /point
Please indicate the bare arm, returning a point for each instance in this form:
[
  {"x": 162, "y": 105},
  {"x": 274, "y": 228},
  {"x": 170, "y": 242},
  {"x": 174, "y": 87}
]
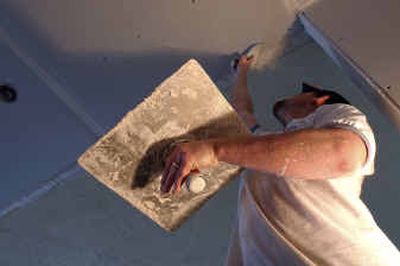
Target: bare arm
[
  {"x": 242, "y": 101},
  {"x": 307, "y": 153}
]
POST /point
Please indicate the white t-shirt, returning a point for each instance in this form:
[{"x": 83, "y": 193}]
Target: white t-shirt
[{"x": 290, "y": 221}]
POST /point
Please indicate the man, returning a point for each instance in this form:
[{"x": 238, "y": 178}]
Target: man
[{"x": 299, "y": 198}]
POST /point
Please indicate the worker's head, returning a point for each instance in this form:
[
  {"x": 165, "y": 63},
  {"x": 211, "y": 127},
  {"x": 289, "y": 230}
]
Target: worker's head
[{"x": 304, "y": 103}]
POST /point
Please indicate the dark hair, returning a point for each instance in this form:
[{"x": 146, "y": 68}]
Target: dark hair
[{"x": 334, "y": 96}]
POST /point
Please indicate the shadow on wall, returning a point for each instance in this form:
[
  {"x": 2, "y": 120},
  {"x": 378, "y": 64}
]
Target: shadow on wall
[
  {"x": 106, "y": 86},
  {"x": 152, "y": 163}
]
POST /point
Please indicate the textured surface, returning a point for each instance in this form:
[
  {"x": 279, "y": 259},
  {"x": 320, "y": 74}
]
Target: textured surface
[{"x": 129, "y": 159}]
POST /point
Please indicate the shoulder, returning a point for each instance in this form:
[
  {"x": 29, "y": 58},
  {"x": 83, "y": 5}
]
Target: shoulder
[
  {"x": 342, "y": 115},
  {"x": 351, "y": 118},
  {"x": 338, "y": 110}
]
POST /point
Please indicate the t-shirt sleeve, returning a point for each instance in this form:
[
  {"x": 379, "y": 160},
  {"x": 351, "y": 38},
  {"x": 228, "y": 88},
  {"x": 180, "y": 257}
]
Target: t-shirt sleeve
[{"x": 349, "y": 117}]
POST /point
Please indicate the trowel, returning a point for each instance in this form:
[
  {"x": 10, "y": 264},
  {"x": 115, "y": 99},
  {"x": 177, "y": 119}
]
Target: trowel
[{"x": 264, "y": 54}]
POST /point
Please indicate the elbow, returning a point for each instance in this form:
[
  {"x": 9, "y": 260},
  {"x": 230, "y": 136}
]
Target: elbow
[
  {"x": 347, "y": 160},
  {"x": 345, "y": 167}
]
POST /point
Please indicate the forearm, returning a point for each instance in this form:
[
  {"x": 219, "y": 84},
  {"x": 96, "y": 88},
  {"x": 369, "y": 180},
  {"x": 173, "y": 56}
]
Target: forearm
[
  {"x": 307, "y": 154},
  {"x": 241, "y": 96}
]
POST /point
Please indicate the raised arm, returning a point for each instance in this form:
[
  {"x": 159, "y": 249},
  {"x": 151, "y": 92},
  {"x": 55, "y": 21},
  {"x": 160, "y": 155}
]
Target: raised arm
[{"x": 240, "y": 93}]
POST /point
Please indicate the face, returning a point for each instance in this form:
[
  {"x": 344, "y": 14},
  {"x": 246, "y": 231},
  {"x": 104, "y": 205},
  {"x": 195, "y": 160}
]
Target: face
[{"x": 298, "y": 106}]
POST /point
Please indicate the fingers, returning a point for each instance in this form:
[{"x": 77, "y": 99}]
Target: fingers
[
  {"x": 168, "y": 162},
  {"x": 168, "y": 178},
  {"x": 247, "y": 59},
  {"x": 168, "y": 170},
  {"x": 245, "y": 62},
  {"x": 181, "y": 173},
  {"x": 174, "y": 175}
]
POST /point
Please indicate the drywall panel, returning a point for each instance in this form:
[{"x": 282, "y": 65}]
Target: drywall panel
[
  {"x": 84, "y": 26},
  {"x": 39, "y": 136},
  {"x": 364, "y": 33},
  {"x": 108, "y": 55}
]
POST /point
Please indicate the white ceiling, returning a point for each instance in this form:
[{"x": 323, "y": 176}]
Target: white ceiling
[{"x": 122, "y": 26}]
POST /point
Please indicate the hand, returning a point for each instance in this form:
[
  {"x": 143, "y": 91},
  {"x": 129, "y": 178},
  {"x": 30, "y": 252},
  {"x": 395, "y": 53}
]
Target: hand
[
  {"x": 186, "y": 158},
  {"x": 245, "y": 63}
]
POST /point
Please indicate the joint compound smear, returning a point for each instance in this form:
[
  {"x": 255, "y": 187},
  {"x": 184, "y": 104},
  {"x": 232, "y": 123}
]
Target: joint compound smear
[
  {"x": 266, "y": 54},
  {"x": 293, "y": 157}
]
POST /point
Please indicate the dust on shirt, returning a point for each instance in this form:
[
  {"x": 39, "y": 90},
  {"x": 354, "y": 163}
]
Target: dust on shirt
[{"x": 291, "y": 221}]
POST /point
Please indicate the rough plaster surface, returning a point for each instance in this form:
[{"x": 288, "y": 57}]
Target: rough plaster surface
[{"x": 129, "y": 159}]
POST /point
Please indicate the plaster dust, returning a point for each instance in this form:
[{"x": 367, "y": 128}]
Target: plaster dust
[
  {"x": 129, "y": 159},
  {"x": 298, "y": 5},
  {"x": 266, "y": 54},
  {"x": 269, "y": 50}
]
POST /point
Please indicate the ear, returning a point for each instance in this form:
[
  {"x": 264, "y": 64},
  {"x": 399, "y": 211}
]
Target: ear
[{"x": 321, "y": 100}]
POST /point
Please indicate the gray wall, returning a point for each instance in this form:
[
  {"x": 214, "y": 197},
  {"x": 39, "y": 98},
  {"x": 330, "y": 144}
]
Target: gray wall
[{"x": 98, "y": 59}]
